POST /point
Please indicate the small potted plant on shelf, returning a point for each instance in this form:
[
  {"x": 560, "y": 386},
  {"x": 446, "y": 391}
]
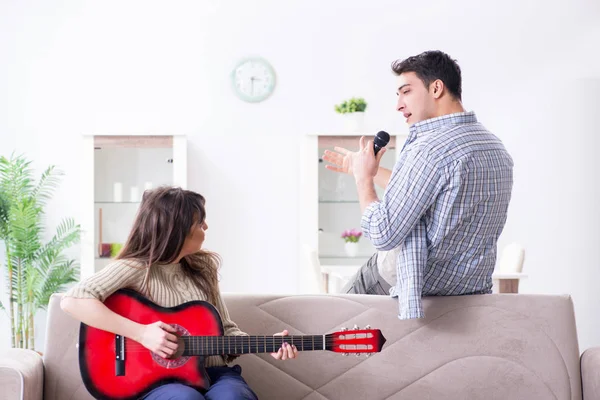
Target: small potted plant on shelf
[
  {"x": 351, "y": 238},
  {"x": 353, "y": 110}
]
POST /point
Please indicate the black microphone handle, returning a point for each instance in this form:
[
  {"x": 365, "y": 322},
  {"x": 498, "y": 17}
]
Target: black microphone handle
[{"x": 377, "y": 148}]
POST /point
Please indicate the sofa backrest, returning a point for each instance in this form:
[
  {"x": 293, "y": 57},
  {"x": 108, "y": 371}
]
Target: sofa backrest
[{"x": 475, "y": 347}]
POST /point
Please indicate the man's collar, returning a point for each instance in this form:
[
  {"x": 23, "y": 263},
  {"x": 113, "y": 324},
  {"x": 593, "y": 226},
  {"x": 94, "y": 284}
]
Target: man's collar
[{"x": 466, "y": 117}]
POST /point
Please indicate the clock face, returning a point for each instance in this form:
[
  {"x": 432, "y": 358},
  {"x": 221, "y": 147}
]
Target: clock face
[{"x": 253, "y": 79}]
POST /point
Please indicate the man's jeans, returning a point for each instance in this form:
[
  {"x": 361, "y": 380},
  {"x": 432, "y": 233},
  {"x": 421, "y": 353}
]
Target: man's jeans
[{"x": 367, "y": 280}]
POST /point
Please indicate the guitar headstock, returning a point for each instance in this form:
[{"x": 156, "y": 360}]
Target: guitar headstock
[{"x": 357, "y": 341}]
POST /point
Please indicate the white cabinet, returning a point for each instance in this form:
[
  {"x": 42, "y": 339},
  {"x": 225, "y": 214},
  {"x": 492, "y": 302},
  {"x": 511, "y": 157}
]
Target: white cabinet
[
  {"x": 329, "y": 205},
  {"x": 116, "y": 171}
]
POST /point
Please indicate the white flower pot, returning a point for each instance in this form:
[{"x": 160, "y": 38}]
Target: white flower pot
[
  {"x": 351, "y": 249},
  {"x": 354, "y": 122}
]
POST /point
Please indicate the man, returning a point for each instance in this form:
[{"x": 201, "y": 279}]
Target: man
[{"x": 445, "y": 201}]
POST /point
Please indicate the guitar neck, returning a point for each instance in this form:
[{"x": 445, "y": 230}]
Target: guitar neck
[{"x": 222, "y": 345}]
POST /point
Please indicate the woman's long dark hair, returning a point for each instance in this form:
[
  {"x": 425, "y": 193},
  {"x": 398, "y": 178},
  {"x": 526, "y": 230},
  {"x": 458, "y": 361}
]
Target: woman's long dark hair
[{"x": 164, "y": 220}]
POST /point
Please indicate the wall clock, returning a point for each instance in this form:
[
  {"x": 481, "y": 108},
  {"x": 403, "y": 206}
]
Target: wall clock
[{"x": 253, "y": 79}]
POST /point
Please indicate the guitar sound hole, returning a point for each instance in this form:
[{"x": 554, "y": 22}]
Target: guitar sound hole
[{"x": 176, "y": 360}]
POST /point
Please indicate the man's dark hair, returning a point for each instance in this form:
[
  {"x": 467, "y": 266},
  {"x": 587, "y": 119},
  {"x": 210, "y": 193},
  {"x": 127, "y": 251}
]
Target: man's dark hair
[{"x": 432, "y": 65}]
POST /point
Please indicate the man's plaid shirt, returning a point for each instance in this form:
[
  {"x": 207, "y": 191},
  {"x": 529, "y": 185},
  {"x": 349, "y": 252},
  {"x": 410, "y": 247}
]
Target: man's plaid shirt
[{"x": 445, "y": 207}]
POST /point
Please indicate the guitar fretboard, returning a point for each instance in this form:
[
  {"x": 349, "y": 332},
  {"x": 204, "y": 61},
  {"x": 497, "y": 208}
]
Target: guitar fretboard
[{"x": 221, "y": 345}]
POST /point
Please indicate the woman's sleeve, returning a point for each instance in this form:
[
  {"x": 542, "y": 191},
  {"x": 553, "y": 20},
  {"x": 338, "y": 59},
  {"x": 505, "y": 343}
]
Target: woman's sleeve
[{"x": 116, "y": 275}]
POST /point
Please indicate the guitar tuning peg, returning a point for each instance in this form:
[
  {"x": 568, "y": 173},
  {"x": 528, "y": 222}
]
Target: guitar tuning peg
[
  {"x": 346, "y": 354},
  {"x": 344, "y": 329},
  {"x": 358, "y": 354},
  {"x": 368, "y": 355},
  {"x": 368, "y": 327},
  {"x": 355, "y": 327}
]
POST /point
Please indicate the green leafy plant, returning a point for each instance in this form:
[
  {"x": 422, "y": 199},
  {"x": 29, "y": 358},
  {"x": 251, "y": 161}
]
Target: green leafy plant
[
  {"x": 351, "y": 106},
  {"x": 33, "y": 269}
]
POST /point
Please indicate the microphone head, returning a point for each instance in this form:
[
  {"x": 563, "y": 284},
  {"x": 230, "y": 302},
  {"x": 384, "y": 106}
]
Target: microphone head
[{"x": 381, "y": 139}]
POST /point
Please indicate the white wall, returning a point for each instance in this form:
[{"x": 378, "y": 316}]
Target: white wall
[{"x": 79, "y": 67}]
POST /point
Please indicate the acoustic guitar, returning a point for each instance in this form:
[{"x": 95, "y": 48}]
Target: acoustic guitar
[{"x": 116, "y": 367}]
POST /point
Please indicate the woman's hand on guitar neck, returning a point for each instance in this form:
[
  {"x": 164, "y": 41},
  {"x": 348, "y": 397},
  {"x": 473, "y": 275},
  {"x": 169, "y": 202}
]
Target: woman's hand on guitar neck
[
  {"x": 287, "y": 350},
  {"x": 158, "y": 338}
]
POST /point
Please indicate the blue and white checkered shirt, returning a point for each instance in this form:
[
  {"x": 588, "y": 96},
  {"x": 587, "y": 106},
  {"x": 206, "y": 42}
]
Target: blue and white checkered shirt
[{"x": 445, "y": 207}]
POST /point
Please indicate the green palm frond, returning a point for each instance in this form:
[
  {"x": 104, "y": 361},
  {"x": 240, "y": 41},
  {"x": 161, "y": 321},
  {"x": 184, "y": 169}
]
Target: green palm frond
[
  {"x": 19, "y": 280},
  {"x": 4, "y": 213},
  {"x": 16, "y": 177},
  {"x": 14, "y": 282},
  {"x": 56, "y": 278},
  {"x": 54, "y": 270},
  {"x": 48, "y": 182},
  {"x": 67, "y": 234},
  {"x": 25, "y": 229},
  {"x": 32, "y": 279}
]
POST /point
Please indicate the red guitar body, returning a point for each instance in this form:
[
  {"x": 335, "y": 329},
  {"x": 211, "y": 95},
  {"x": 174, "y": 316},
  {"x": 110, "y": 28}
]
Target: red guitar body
[{"x": 143, "y": 370}]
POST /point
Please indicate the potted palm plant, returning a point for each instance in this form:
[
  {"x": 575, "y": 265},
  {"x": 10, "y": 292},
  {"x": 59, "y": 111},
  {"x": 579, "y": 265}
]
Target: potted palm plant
[{"x": 34, "y": 268}]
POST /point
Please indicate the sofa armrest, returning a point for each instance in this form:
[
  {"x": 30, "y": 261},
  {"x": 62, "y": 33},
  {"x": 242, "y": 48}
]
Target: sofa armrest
[
  {"x": 21, "y": 374},
  {"x": 590, "y": 373}
]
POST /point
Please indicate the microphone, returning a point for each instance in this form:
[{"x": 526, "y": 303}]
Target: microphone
[{"x": 381, "y": 140}]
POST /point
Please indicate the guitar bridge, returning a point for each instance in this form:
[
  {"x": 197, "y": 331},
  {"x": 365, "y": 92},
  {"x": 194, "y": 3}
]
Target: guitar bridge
[{"x": 119, "y": 355}]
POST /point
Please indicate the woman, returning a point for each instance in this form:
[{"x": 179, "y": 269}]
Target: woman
[{"x": 163, "y": 260}]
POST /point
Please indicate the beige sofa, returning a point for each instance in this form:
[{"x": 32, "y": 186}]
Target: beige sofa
[{"x": 469, "y": 347}]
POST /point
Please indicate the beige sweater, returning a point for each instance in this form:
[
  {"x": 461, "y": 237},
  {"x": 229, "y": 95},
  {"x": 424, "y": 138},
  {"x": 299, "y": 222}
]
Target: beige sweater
[{"x": 168, "y": 287}]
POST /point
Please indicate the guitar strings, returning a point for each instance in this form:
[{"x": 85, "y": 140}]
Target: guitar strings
[
  {"x": 243, "y": 342},
  {"x": 210, "y": 344}
]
